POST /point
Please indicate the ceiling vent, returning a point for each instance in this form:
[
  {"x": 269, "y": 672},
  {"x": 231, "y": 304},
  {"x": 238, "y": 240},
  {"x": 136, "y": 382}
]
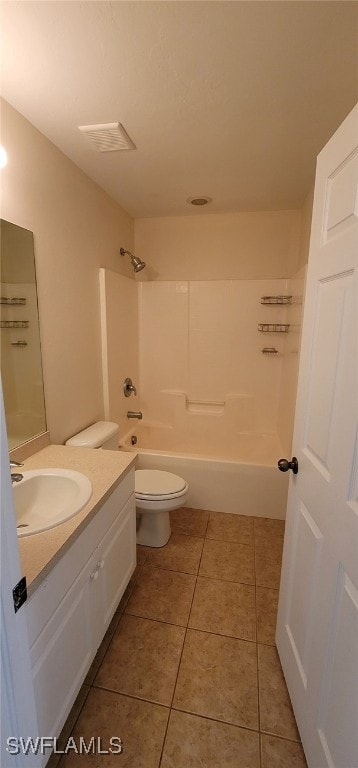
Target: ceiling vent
[{"x": 108, "y": 137}]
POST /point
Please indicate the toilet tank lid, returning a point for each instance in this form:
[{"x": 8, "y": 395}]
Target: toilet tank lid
[{"x": 94, "y": 436}]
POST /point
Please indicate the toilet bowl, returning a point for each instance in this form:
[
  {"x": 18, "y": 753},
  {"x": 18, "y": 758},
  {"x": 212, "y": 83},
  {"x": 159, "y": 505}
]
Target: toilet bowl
[{"x": 156, "y": 494}]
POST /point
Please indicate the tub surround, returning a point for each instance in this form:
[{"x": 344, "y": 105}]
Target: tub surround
[
  {"x": 105, "y": 469},
  {"x": 238, "y": 476}
]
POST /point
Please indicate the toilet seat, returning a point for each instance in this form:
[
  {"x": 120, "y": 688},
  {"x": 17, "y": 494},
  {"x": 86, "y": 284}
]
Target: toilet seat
[{"x": 156, "y": 485}]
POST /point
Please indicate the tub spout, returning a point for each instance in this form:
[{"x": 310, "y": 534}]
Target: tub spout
[{"x": 134, "y": 415}]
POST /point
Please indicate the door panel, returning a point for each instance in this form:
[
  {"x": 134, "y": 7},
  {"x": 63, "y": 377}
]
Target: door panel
[
  {"x": 339, "y": 694},
  {"x": 325, "y": 369},
  {"x": 307, "y": 548},
  {"x": 341, "y": 206}
]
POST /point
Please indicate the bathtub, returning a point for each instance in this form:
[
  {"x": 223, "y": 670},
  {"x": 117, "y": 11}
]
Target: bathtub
[{"x": 238, "y": 475}]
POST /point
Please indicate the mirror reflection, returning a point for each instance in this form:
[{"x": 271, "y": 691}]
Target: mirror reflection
[{"x": 21, "y": 366}]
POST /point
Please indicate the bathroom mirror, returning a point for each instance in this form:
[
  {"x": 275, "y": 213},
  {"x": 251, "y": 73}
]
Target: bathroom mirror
[{"x": 21, "y": 366}]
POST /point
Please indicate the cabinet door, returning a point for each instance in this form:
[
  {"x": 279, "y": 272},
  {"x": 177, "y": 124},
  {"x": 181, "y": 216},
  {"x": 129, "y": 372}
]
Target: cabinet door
[
  {"x": 116, "y": 562},
  {"x": 62, "y": 653}
]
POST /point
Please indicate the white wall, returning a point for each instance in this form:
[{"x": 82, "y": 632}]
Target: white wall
[{"x": 77, "y": 229}]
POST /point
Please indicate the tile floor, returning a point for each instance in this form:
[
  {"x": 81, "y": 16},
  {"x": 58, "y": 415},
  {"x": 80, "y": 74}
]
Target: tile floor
[{"x": 188, "y": 675}]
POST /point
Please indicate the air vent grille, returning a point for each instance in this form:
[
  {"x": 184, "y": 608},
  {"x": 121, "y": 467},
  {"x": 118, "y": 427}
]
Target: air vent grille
[{"x": 108, "y": 137}]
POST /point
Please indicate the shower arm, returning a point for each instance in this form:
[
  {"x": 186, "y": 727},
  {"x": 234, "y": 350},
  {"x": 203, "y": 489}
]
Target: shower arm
[{"x": 136, "y": 262}]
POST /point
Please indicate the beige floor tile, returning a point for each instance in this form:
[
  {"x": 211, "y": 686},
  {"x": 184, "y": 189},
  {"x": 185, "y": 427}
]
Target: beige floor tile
[
  {"x": 279, "y": 753},
  {"x": 140, "y": 724},
  {"x": 142, "y": 554},
  {"x": 224, "y": 608},
  {"x": 182, "y": 553},
  {"x": 143, "y": 659},
  {"x": 102, "y": 650},
  {"x": 268, "y": 568},
  {"x": 192, "y": 522},
  {"x": 162, "y": 595},
  {"x": 276, "y": 714},
  {"x": 227, "y": 561},
  {"x": 230, "y": 528},
  {"x": 218, "y": 679},
  {"x": 208, "y": 744},
  {"x": 274, "y": 546},
  {"x": 266, "y": 613},
  {"x": 266, "y": 531}
]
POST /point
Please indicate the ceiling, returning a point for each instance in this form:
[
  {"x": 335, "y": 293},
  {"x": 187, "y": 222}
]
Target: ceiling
[{"x": 232, "y": 100}]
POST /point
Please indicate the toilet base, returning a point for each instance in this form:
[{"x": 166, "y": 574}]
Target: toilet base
[{"x": 154, "y": 529}]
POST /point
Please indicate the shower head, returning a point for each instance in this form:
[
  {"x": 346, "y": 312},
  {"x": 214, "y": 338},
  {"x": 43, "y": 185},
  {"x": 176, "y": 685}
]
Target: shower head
[{"x": 137, "y": 264}]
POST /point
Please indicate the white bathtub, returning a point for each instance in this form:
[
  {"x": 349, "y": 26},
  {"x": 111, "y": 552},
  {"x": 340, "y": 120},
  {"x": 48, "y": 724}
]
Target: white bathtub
[{"x": 237, "y": 475}]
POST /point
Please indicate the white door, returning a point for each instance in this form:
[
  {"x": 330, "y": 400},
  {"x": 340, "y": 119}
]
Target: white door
[
  {"x": 17, "y": 704},
  {"x": 317, "y": 631}
]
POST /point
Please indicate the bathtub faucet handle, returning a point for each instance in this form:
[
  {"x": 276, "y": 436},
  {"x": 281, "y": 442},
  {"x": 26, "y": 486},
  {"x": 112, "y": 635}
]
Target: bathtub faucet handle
[{"x": 129, "y": 388}]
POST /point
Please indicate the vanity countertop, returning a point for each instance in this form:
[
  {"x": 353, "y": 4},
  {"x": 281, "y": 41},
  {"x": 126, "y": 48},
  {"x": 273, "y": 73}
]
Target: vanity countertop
[{"x": 40, "y": 552}]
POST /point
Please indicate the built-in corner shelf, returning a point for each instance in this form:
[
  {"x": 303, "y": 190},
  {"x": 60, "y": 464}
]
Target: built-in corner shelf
[
  {"x": 14, "y": 301},
  {"x": 269, "y": 351},
  {"x": 273, "y": 327},
  {"x": 14, "y": 323},
  {"x": 276, "y": 300}
]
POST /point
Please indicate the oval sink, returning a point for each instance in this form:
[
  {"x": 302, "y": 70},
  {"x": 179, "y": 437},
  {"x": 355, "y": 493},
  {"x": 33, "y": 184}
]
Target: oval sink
[{"x": 47, "y": 497}]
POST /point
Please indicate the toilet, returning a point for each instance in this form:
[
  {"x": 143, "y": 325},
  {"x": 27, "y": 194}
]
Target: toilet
[{"x": 156, "y": 492}]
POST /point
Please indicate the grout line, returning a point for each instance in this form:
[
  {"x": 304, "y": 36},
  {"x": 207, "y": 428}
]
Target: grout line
[
  {"x": 203, "y": 576},
  {"x": 151, "y": 618},
  {"x": 231, "y": 541},
  {"x": 257, "y": 658},
  {"x": 198, "y": 629},
  {"x": 181, "y": 655},
  {"x": 131, "y": 695},
  {"x": 227, "y": 581},
  {"x": 215, "y": 720},
  {"x": 282, "y": 738}
]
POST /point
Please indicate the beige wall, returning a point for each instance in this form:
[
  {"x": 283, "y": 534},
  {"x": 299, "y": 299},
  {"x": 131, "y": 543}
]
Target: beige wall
[
  {"x": 306, "y": 218},
  {"x": 290, "y": 361},
  {"x": 77, "y": 229},
  {"x": 241, "y": 246}
]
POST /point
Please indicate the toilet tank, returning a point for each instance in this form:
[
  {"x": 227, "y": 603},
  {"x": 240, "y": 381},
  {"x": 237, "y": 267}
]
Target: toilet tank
[{"x": 102, "y": 434}]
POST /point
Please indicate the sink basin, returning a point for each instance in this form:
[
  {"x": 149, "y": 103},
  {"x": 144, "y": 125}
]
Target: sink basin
[{"x": 47, "y": 497}]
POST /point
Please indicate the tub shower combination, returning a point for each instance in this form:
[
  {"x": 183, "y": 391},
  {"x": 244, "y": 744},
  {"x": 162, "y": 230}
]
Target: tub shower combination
[{"x": 226, "y": 470}]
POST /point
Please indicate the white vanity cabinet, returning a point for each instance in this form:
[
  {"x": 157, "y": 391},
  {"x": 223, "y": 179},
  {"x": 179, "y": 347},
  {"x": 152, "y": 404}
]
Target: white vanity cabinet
[{"x": 71, "y": 610}]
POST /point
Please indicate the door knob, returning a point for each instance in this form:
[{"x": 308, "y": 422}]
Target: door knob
[{"x": 284, "y": 465}]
